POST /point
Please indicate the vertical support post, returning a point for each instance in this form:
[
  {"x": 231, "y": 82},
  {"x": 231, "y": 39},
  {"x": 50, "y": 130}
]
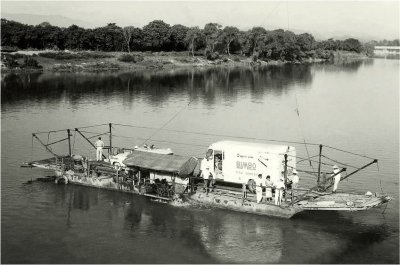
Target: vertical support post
[
  {"x": 110, "y": 150},
  {"x": 69, "y": 141},
  {"x": 319, "y": 164},
  {"x": 88, "y": 168},
  {"x": 285, "y": 174}
]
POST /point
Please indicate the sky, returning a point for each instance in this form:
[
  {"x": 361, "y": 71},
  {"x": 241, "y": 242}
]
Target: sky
[{"x": 324, "y": 19}]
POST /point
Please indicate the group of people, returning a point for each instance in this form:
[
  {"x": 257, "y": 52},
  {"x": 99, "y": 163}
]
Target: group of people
[{"x": 279, "y": 187}]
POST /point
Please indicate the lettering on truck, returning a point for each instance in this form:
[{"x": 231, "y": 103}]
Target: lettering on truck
[{"x": 246, "y": 165}]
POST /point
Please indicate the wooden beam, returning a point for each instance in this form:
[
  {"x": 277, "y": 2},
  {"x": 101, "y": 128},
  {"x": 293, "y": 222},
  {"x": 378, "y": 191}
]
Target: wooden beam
[
  {"x": 45, "y": 146},
  {"x": 310, "y": 190},
  {"x": 84, "y": 137},
  {"x": 354, "y": 172},
  {"x": 319, "y": 163}
]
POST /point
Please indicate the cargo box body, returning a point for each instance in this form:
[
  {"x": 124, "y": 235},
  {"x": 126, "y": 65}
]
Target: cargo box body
[{"x": 243, "y": 161}]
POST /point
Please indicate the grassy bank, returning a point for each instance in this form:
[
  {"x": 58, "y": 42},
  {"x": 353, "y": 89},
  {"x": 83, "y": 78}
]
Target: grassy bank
[{"x": 53, "y": 61}]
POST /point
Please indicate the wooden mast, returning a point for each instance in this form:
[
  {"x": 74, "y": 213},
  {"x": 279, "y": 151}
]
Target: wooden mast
[
  {"x": 69, "y": 141},
  {"x": 319, "y": 163}
]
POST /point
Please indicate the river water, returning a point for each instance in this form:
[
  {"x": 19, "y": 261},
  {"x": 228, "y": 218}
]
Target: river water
[{"x": 353, "y": 107}]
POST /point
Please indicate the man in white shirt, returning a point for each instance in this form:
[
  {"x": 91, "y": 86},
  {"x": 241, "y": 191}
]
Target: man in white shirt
[
  {"x": 99, "y": 149},
  {"x": 259, "y": 184},
  {"x": 336, "y": 178},
  {"x": 205, "y": 167},
  {"x": 295, "y": 181},
  {"x": 279, "y": 188}
]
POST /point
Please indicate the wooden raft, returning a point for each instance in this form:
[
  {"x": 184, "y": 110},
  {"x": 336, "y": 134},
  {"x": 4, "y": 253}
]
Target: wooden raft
[{"x": 343, "y": 202}]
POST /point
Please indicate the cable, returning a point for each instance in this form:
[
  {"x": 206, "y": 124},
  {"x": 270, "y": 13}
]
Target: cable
[
  {"x": 219, "y": 135},
  {"x": 338, "y": 162},
  {"x": 165, "y": 124},
  {"x": 301, "y": 130},
  {"x": 96, "y": 125},
  {"x": 161, "y": 141},
  {"x": 337, "y": 149},
  {"x": 380, "y": 179}
]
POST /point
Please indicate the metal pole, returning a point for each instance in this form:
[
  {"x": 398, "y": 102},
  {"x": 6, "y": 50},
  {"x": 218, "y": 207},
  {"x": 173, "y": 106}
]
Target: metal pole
[
  {"x": 110, "y": 150},
  {"x": 69, "y": 141},
  {"x": 319, "y": 163},
  {"x": 285, "y": 175}
]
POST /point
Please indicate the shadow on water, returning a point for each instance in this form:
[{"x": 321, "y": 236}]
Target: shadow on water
[
  {"x": 349, "y": 239},
  {"x": 155, "y": 87}
]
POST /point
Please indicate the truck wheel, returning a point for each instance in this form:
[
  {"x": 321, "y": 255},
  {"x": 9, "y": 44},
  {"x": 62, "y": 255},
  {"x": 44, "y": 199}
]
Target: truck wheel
[{"x": 252, "y": 185}]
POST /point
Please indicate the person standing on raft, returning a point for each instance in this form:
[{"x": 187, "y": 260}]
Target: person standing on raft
[
  {"x": 279, "y": 188},
  {"x": 206, "y": 173},
  {"x": 99, "y": 149},
  {"x": 268, "y": 189},
  {"x": 259, "y": 184},
  {"x": 336, "y": 178}
]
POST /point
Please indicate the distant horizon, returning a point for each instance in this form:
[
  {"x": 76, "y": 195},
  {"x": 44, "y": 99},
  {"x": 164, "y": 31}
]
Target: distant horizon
[{"x": 346, "y": 19}]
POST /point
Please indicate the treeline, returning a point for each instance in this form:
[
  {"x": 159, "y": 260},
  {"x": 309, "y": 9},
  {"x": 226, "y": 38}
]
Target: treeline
[{"x": 159, "y": 36}]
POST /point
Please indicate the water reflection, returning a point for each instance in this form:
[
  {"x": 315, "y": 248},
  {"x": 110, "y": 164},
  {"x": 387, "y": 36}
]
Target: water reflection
[{"x": 154, "y": 87}]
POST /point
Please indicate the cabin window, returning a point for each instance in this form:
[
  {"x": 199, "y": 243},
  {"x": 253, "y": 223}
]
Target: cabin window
[{"x": 218, "y": 158}]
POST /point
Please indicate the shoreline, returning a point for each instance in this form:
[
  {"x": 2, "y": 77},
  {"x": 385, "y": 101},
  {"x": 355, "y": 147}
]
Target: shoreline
[{"x": 159, "y": 61}]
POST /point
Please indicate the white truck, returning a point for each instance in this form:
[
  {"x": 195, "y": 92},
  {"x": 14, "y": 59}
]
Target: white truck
[{"x": 241, "y": 162}]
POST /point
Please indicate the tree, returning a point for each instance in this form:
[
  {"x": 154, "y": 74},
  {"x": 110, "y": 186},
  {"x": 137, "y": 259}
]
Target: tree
[
  {"x": 156, "y": 35},
  {"x": 177, "y": 35},
  {"x": 305, "y": 41},
  {"x": 256, "y": 36},
  {"x": 73, "y": 37},
  {"x": 127, "y": 32},
  {"x": 229, "y": 34},
  {"x": 352, "y": 45},
  {"x": 193, "y": 36},
  {"x": 244, "y": 42},
  {"x": 211, "y": 33}
]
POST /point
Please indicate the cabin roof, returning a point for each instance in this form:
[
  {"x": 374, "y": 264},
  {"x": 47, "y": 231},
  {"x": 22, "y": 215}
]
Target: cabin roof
[
  {"x": 174, "y": 164},
  {"x": 273, "y": 148}
]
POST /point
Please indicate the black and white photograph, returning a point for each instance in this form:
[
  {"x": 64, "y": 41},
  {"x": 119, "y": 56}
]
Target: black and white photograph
[{"x": 200, "y": 132}]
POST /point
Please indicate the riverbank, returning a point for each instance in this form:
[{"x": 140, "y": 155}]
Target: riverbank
[{"x": 67, "y": 61}]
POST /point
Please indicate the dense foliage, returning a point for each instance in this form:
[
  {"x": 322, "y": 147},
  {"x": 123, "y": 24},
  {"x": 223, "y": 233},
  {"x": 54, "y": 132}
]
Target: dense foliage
[{"x": 212, "y": 41}]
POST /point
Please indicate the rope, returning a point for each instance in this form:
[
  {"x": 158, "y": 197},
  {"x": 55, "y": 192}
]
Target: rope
[
  {"x": 337, "y": 149},
  {"x": 165, "y": 124},
  {"x": 306, "y": 159},
  {"x": 380, "y": 179},
  {"x": 90, "y": 132},
  {"x": 161, "y": 141},
  {"x": 96, "y": 125},
  {"x": 301, "y": 129},
  {"x": 52, "y": 131},
  {"x": 339, "y": 162},
  {"x": 218, "y": 135}
]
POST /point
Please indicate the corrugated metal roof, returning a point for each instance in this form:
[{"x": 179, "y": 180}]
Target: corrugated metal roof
[{"x": 176, "y": 164}]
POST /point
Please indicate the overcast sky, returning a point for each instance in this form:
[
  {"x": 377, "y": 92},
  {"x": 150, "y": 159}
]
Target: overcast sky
[{"x": 369, "y": 19}]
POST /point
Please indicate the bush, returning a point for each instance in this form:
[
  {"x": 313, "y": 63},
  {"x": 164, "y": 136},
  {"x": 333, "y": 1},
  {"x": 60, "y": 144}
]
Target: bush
[
  {"x": 236, "y": 59},
  {"x": 30, "y": 62},
  {"x": 212, "y": 56},
  {"x": 130, "y": 58},
  {"x": 9, "y": 61},
  {"x": 72, "y": 56},
  {"x": 254, "y": 56}
]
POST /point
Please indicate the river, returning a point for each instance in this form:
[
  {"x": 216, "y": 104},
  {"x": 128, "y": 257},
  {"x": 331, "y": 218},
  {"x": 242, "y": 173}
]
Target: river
[{"x": 352, "y": 106}]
